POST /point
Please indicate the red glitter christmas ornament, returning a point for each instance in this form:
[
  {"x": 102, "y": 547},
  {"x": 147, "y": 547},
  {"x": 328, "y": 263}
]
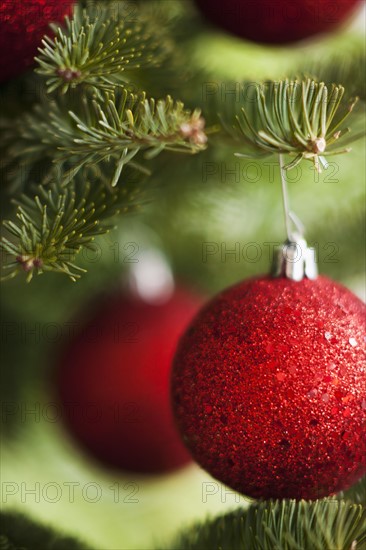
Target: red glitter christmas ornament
[
  {"x": 268, "y": 388},
  {"x": 113, "y": 382},
  {"x": 22, "y": 27},
  {"x": 278, "y": 22}
]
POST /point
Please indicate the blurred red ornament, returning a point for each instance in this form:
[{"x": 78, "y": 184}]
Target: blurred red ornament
[
  {"x": 22, "y": 27},
  {"x": 113, "y": 382},
  {"x": 268, "y": 388},
  {"x": 276, "y": 22}
]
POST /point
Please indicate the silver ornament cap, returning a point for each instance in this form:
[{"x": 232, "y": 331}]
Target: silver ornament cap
[{"x": 295, "y": 260}]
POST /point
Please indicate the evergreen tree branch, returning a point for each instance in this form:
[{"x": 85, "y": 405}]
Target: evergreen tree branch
[
  {"x": 287, "y": 525},
  {"x": 303, "y": 119},
  {"x": 131, "y": 123},
  {"x": 51, "y": 228},
  {"x": 99, "y": 46},
  {"x": 111, "y": 130},
  {"x": 17, "y": 531}
]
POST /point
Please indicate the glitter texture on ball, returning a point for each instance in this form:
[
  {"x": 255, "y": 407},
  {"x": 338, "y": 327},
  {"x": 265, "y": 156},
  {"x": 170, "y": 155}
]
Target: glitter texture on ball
[
  {"x": 22, "y": 27},
  {"x": 268, "y": 388}
]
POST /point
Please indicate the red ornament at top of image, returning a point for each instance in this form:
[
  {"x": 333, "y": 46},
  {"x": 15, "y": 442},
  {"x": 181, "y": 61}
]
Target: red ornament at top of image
[
  {"x": 276, "y": 22},
  {"x": 23, "y": 23}
]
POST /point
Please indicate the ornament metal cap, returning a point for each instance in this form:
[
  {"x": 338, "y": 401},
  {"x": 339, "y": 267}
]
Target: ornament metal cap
[{"x": 295, "y": 260}]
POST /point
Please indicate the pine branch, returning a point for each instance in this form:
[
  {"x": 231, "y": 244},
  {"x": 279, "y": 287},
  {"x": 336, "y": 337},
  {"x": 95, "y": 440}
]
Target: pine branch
[
  {"x": 283, "y": 525},
  {"x": 17, "y": 531},
  {"x": 51, "y": 228},
  {"x": 111, "y": 131},
  {"x": 130, "y": 124},
  {"x": 303, "y": 119},
  {"x": 92, "y": 133},
  {"x": 99, "y": 47}
]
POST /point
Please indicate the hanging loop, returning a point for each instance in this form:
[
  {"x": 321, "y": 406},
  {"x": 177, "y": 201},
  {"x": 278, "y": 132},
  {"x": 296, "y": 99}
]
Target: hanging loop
[{"x": 294, "y": 259}]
